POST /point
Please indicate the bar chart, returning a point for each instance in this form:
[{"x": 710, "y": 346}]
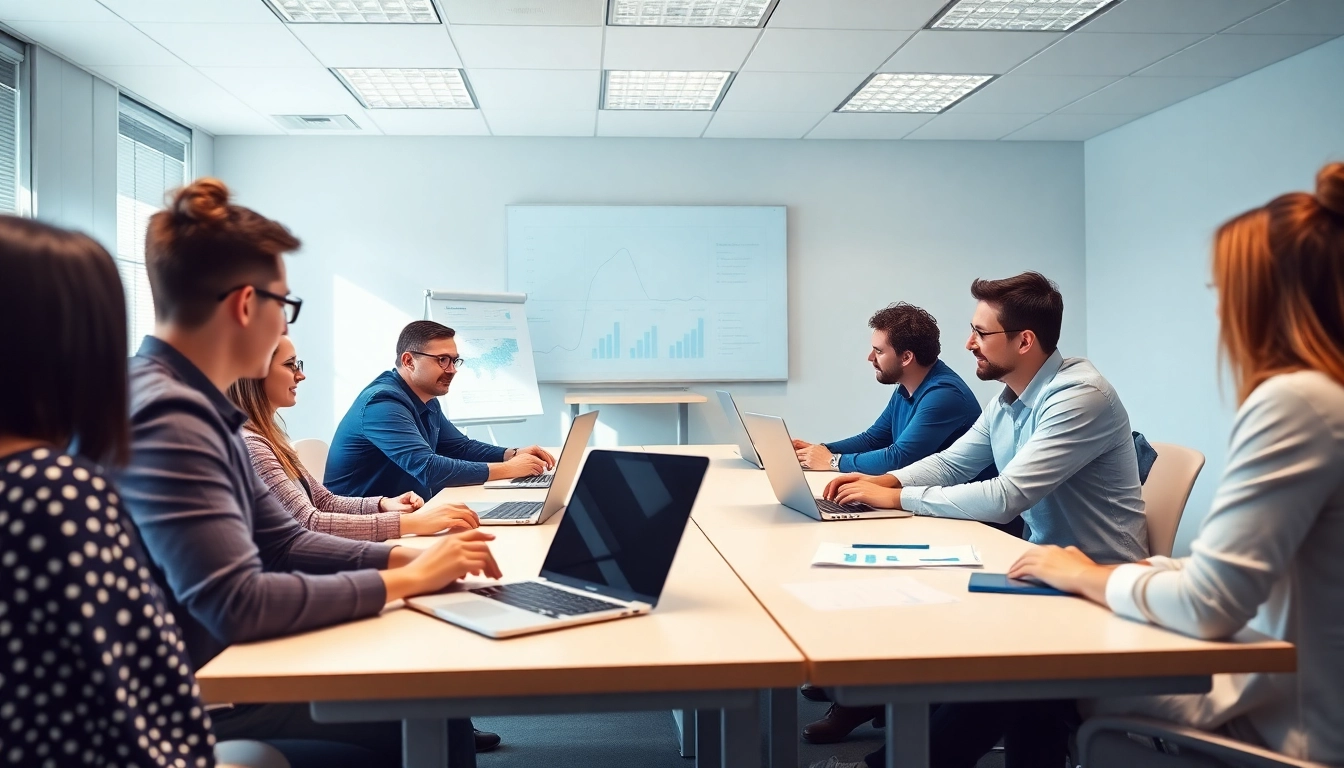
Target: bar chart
[
  {"x": 692, "y": 344},
  {"x": 647, "y": 347},
  {"x": 609, "y": 347}
]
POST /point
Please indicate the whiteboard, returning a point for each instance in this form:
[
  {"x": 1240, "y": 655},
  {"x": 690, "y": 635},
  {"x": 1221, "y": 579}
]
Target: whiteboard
[
  {"x": 497, "y": 379},
  {"x": 653, "y": 293}
]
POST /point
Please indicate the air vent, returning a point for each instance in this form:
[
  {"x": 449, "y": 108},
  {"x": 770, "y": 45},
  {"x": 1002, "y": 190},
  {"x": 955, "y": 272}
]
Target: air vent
[{"x": 316, "y": 122}]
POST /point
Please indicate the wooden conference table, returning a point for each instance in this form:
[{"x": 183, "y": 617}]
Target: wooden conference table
[{"x": 728, "y": 631}]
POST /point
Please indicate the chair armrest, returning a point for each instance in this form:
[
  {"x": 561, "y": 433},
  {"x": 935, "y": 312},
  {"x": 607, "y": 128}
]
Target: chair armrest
[{"x": 1231, "y": 751}]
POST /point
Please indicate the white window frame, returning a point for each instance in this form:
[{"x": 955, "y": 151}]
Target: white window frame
[{"x": 16, "y": 52}]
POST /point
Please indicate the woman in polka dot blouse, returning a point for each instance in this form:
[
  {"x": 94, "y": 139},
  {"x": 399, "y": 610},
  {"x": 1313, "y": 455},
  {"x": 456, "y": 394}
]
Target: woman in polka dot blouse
[{"x": 94, "y": 671}]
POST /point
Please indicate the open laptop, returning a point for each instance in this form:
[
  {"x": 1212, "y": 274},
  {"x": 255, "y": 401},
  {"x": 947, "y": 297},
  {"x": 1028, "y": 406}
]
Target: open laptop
[
  {"x": 771, "y": 438},
  {"x": 577, "y": 439},
  {"x": 744, "y": 447},
  {"x": 610, "y": 556},
  {"x": 566, "y": 467}
]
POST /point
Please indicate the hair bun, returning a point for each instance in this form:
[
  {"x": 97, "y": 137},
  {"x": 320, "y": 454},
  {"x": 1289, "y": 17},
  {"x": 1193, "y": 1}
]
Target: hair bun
[
  {"x": 1330, "y": 188},
  {"x": 205, "y": 201}
]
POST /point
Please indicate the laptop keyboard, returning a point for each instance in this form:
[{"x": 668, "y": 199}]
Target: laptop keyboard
[
  {"x": 512, "y": 510},
  {"x": 826, "y": 505},
  {"x": 533, "y": 481},
  {"x": 543, "y": 599}
]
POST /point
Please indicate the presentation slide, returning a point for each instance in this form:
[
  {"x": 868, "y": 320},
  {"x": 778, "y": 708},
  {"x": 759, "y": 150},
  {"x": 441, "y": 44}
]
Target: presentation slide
[
  {"x": 496, "y": 379},
  {"x": 653, "y": 294}
]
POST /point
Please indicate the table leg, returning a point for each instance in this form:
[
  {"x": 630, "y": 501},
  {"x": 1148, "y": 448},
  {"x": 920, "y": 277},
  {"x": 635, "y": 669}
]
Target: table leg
[
  {"x": 684, "y": 719},
  {"x": 574, "y": 410},
  {"x": 908, "y": 735},
  {"x": 742, "y": 737},
  {"x": 683, "y": 424},
  {"x": 424, "y": 743},
  {"x": 461, "y": 744},
  {"x": 708, "y": 734},
  {"x": 783, "y": 725}
]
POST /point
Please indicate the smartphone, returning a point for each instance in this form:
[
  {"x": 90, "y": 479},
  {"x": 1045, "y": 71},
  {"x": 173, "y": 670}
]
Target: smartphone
[{"x": 999, "y": 582}]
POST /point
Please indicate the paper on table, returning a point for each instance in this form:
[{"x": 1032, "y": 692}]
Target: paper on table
[
  {"x": 881, "y": 592},
  {"x": 830, "y": 553}
]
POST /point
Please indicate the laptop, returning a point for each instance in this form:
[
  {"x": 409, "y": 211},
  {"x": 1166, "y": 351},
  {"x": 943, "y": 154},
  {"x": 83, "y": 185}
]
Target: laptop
[
  {"x": 610, "y": 556},
  {"x": 771, "y": 438},
  {"x": 579, "y": 431},
  {"x": 566, "y": 468},
  {"x": 744, "y": 447}
]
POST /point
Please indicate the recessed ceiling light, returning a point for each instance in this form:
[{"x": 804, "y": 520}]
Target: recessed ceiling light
[
  {"x": 1018, "y": 15},
  {"x": 624, "y": 89},
  {"x": 408, "y": 88},
  {"x": 356, "y": 11},
  {"x": 688, "y": 13},
  {"x": 899, "y": 92}
]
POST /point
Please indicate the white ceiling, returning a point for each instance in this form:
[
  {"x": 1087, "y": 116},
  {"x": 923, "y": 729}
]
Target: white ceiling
[{"x": 536, "y": 66}]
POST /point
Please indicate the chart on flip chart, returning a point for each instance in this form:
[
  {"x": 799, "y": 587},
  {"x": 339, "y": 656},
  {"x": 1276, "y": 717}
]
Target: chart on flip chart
[{"x": 653, "y": 293}]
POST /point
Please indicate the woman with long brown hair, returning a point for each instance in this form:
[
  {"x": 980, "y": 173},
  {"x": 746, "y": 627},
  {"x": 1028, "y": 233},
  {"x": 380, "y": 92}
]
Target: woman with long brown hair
[
  {"x": 1270, "y": 553},
  {"x": 375, "y": 518}
]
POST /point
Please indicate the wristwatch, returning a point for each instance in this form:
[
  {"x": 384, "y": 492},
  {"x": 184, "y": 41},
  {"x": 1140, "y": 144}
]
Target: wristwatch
[{"x": 835, "y": 462}]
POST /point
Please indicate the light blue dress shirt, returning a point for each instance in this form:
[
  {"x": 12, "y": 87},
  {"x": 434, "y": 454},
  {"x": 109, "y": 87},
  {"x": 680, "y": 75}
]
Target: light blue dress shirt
[{"x": 1066, "y": 463}]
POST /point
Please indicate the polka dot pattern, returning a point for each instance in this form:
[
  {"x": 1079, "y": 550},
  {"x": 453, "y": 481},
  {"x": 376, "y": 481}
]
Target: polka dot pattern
[{"x": 92, "y": 671}]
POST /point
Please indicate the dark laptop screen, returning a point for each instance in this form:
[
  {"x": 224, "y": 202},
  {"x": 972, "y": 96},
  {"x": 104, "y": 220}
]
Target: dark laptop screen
[{"x": 624, "y": 523}]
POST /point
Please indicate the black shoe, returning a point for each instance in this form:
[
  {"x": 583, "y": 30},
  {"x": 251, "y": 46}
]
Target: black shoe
[
  {"x": 485, "y": 741},
  {"x": 813, "y": 693}
]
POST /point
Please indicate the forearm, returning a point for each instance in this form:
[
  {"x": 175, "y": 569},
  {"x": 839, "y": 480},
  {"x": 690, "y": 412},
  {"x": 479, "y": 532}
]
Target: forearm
[{"x": 983, "y": 501}]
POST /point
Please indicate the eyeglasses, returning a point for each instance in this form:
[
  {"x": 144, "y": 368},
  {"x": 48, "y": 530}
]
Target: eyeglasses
[
  {"x": 292, "y": 304},
  {"x": 446, "y": 362},
  {"x": 296, "y": 366},
  {"x": 979, "y": 334}
]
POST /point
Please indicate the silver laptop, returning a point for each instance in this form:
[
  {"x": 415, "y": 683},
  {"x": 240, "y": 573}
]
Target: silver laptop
[
  {"x": 744, "y": 447},
  {"x": 771, "y": 438},
  {"x": 610, "y": 556},
  {"x": 566, "y": 468}
]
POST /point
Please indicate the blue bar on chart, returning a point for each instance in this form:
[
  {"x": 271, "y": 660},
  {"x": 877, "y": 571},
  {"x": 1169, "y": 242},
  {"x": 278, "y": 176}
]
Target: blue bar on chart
[
  {"x": 692, "y": 343},
  {"x": 646, "y": 347},
  {"x": 609, "y": 346}
]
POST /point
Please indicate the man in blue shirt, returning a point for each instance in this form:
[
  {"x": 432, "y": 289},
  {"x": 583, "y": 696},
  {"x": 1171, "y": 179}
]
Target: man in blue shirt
[{"x": 396, "y": 436}]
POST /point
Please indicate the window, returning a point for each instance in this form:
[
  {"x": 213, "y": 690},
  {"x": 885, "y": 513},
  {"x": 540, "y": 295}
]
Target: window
[
  {"x": 12, "y": 195},
  {"x": 153, "y": 157}
]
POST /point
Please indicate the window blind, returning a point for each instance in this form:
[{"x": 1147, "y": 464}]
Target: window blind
[
  {"x": 9, "y": 131},
  {"x": 153, "y": 158}
]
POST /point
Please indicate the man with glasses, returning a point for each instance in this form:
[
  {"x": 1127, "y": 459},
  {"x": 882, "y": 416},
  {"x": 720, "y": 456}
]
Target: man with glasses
[{"x": 395, "y": 435}]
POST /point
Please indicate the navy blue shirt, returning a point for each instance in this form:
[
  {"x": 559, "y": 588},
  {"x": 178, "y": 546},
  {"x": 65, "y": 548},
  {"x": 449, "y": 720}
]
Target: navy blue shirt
[
  {"x": 390, "y": 442},
  {"x": 914, "y": 425}
]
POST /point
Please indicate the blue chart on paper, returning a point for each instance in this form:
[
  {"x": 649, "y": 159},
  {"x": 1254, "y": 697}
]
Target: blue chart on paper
[{"x": 658, "y": 294}]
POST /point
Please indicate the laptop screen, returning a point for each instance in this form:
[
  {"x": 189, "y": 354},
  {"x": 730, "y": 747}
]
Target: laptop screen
[{"x": 624, "y": 523}]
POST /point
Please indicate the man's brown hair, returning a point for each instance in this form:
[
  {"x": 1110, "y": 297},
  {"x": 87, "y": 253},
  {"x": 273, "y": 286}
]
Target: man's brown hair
[
  {"x": 909, "y": 328},
  {"x": 1025, "y": 302}
]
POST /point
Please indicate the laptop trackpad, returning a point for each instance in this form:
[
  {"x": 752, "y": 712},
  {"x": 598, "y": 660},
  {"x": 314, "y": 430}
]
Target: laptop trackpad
[{"x": 473, "y": 609}]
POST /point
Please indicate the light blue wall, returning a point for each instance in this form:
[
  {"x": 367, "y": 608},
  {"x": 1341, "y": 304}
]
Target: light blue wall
[
  {"x": 869, "y": 223},
  {"x": 1156, "y": 190}
]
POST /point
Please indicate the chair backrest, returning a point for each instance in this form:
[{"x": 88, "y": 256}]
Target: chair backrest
[
  {"x": 1164, "y": 495},
  {"x": 313, "y": 454}
]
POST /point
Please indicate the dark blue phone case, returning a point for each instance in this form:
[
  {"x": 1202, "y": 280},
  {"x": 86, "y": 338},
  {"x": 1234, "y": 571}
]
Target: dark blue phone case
[{"x": 999, "y": 582}]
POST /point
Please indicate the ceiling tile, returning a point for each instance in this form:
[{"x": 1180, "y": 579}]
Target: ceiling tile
[
  {"x": 761, "y": 125},
  {"x": 286, "y": 90},
  {"x": 1083, "y": 53},
  {"x": 231, "y": 45},
  {"x": 1031, "y": 93},
  {"x": 529, "y": 47},
  {"x": 1232, "y": 55},
  {"x": 855, "y": 14},
  {"x": 1068, "y": 127},
  {"x": 255, "y": 11},
  {"x": 677, "y": 48},
  {"x": 1296, "y": 17},
  {"x": 955, "y": 126},
  {"x": 1141, "y": 95},
  {"x": 525, "y": 12},
  {"x": 429, "y": 122},
  {"x": 379, "y": 45},
  {"x": 540, "y": 122},
  {"x": 789, "y": 91},
  {"x": 627, "y": 122},
  {"x": 1206, "y": 16},
  {"x": 851, "y": 125},
  {"x": 97, "y": 43},
  {"x": 823, "y": 50},
  {"x": 54, "y": 10},
  {"x": 970, "y": 53},
  {"x": 545, "y": 89},
  {"x": 187, "y": 95}
]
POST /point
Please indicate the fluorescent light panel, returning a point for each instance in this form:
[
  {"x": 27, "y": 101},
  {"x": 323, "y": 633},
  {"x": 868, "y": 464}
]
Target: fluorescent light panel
[
  {"x": 409, "y": 88},
  {"x": 355, "y": 11},
  {"x": 687, "y": 13},
  {"x": 1018, "y": 15},
  {"x": 676, "y": 91},
  {"x": 901, "y": 92}
]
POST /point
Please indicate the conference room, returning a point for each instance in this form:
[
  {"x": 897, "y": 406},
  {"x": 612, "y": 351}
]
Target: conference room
[{"x": 727, "y": 383}]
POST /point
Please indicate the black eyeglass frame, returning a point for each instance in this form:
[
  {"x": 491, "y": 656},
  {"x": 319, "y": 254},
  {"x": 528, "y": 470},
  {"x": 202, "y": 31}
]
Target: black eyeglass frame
[
  {"x": 979, "y": 334},
  {"x": 453, "y": 362},
  {"x": 292, "y": 303}
]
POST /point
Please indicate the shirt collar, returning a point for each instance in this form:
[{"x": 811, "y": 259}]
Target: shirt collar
[
  {"x": 421, "y": 407},
  {"x": 934, "y": 371},
  {"x": 166, "y": 354},
  {"x": 1033, "y": 391}
]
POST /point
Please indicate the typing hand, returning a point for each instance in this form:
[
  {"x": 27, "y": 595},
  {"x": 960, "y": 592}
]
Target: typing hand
[
  {"x": 865, "y": 492},
  {"x": 435, "y": 517},
  {"x": 524, "y": 465},
  {"x": 813, "y": 456},
  {"x": 833, "y": 487},
  {"x": 455, "y": 557},
  {"x": 799, "y": 445},
  {"x": 540, "y": 453},
  {"x": 406, "y": 502}
]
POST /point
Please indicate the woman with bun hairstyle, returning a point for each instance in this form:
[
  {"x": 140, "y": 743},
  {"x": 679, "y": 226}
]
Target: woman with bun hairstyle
[
  {"x": 1270, "y": 553},
  {"x": 235, "y": 566}
]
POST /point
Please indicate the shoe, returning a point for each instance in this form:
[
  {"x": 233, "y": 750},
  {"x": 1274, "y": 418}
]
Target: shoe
[
  {"x": 485, "y": 741},
  {"x": 813, "y": 693},
  {"x": 838, "y": 723},
  {"x": 835, "y": 762}
]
